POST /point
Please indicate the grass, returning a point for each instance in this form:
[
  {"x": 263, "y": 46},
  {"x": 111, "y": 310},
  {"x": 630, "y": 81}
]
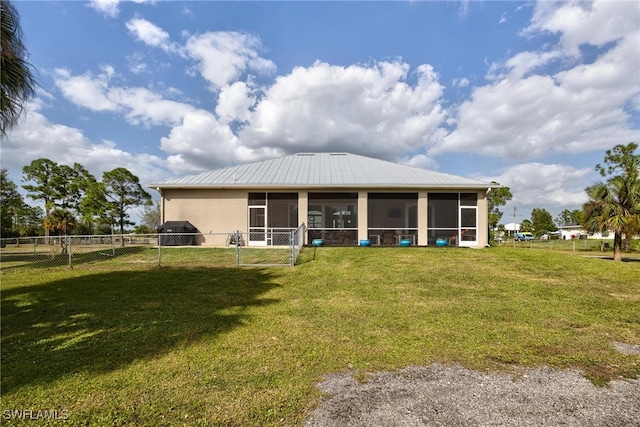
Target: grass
[
  {"x": 131, "y": 344},
  {"x": 48, "y": 256}
]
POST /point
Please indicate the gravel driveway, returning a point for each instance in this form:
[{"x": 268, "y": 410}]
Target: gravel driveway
[{"x": 439, "y": 395}]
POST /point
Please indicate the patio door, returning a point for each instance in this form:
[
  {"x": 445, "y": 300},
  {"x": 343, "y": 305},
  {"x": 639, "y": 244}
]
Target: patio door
[
  {"x": 468, "y": 226},
  {"x": 257, "y": 226}
]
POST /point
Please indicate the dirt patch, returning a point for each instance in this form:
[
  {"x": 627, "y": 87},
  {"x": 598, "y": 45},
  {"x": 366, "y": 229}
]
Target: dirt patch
[
  {"x": 439, "y": 395},
  {"x": 625, "y": 348}
]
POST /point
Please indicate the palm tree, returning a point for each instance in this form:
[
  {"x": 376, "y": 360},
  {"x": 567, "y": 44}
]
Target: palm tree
[
  {"x": 62, "y": 221},
  {"x": 614, "y": 206},
  {"x": 17, "y": 83}
]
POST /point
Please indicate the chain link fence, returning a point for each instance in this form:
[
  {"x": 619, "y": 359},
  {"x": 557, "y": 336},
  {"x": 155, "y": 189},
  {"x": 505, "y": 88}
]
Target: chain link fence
[
  {"x": 575, "y": 245},
  {"x": 232, "y": 249}
]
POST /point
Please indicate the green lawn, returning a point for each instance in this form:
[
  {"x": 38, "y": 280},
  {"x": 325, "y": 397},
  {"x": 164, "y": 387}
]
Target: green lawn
[{"x": 126, "y": 343}]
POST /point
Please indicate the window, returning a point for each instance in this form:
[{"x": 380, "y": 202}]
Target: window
[
  {"x": 333, "y": 210},
  {"x": 392, "y": 217},
  {"x": 282, "y": 208},
  {"x": 257, "y": 199},
  {"x": 468, "y": 199},
  {"x": 443, "y": 210}
]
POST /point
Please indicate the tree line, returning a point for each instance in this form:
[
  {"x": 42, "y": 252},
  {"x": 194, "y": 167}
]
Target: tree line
[
  {"x": 74, "y": 201},
  {"x": 613, "y": 206}
]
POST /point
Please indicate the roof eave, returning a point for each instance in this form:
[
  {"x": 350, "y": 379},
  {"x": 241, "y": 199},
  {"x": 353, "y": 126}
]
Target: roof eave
[{"x": 318, "y": 186}]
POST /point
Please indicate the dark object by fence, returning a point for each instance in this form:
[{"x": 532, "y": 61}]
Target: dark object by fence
[{"x": 172, "y": 233}]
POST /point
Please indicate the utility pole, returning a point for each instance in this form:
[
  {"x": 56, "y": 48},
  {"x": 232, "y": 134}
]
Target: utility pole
[{"x": 513, "y": 235}]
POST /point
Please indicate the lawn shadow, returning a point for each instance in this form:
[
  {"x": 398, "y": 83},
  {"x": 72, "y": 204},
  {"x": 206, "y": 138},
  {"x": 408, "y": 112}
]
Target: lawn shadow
[
  {"x": 610, "y": 258},
  {"x": 100, "y": 322}
]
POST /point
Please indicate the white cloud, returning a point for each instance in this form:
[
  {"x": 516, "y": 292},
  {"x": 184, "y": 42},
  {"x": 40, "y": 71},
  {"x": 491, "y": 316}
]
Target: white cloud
[
  {"x": 36, "y": 137},
  {"x": 521, "y": 65},
  {"x": 200, "y": 142},
  {"x": 86, "y": 90},
  {"x": 578, "y": 22},
  {"x": 108, "y": 8},
  {"x": 151, "y": 34},
  {"x": 419, "y": 161},
  {"x": 527, "y": 114},
  {"x": 536, "y": 185},
  {"x": 187, "y": 11},
  {"x": 140, "y": 106},
  {"x": 149, "y": 108},
  {"x": 234, "y": 102},
  {"x": 148, "y": 32},
  {"x": 223, "y": 57},
  {"x": 381, "y": 109},
  {"x": 463, "y": 8},
  {"x": 615, "y": 73},
  {"x": 369, "y": 109},
  {"x": 136, "y": 63},
  {"x": 463, "y": 82}
]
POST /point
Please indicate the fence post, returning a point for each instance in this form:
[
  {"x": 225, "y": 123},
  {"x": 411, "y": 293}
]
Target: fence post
[
  {"x": 292, "y": 247},
  {"x": 237, "y": 234},
  {"x": 69, "y": 250},
  {"x": 159, "y": 249}
]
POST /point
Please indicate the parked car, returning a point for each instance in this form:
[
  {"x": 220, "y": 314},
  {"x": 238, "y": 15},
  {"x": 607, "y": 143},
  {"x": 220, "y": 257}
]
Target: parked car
[
  {"x": 552, "y": 235},
  {"x": 523, "y": 237}
]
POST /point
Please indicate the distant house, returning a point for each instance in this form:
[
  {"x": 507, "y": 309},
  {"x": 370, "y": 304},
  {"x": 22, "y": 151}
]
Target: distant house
[
  {"x": 576, "y": 231},
  {"x": 572, "y": 231},
  {"x": 342, "y": 198}
]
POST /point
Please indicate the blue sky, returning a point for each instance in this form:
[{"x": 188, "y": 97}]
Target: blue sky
[{"x": 524, "y": 93}]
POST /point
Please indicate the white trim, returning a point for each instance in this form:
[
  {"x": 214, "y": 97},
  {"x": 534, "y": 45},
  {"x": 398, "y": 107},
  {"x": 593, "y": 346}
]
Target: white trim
[
  {"x": 252, "y": 229},
  {"x": 467, "y": 243}
]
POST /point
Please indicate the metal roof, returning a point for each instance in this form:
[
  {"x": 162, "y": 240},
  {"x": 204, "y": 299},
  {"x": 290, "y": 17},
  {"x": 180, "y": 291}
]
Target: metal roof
[{"x": 321, "y": 170}]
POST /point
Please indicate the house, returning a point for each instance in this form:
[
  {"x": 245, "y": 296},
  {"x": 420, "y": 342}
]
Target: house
[
  {"x": 342, "y": 199},
  {"x": 576, "y": 231},
  {"x": 573, "y": 231}
]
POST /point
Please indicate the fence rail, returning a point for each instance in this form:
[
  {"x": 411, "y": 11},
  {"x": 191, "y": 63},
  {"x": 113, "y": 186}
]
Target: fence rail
[
  {"x": 576, "y": 245},
  {"x": 166, "y": 249}
]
